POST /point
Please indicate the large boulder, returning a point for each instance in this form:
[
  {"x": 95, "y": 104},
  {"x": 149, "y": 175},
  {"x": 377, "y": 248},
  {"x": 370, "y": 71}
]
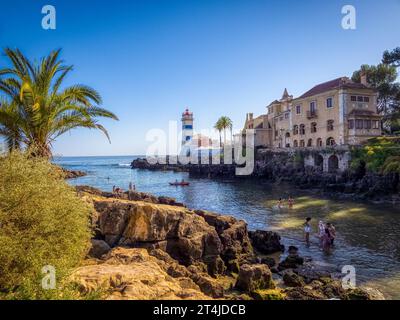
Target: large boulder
[
  {"x": 98, "y": 248},
  {"x": 254, "y": 277},
  {"x": 266, "y": 242},
  {"x": 292, "y": 279},
  {"x": 186, "y": 236},
  {"x": 292, "y": 261}
]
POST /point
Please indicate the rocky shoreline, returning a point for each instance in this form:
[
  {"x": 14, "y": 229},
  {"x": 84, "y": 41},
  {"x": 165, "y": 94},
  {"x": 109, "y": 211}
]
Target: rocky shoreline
[
  {"x": 281, "y": 168},
  {"x": 147, "y": 247},
  {"x": 72, "y": 174}
]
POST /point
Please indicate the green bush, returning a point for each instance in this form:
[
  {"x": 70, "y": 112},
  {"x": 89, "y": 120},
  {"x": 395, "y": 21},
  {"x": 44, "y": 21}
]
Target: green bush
[
  {"x": 375, "y": 153},
  {"x": 42, "y": 222}
]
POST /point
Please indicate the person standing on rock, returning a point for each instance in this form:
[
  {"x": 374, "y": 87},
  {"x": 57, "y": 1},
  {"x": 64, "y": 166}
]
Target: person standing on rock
[{"x": 307, "y": 230}]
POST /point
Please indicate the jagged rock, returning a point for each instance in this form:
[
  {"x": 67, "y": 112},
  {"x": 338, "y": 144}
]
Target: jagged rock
[
  {"x": 254, "y": 277},
  {"x": 197, "y": 274},
  {"x": 236, "y": 246},
  {"x": 178, "y": 231},
  {"x": 292, "y": 261},
  {"x": 266, "y": 242},
  {"x": 291, "y": 279},
  {"x": 98, "y": 248},
  {"x": 135, "y": 275}
]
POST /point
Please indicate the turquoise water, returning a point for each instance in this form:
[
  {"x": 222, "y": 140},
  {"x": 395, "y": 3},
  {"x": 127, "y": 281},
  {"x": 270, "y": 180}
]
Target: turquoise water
[{"x": 367, "y": 235}]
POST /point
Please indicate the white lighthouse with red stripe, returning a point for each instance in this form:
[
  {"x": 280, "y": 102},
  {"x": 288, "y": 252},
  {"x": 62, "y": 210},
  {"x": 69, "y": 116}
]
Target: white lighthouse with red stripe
[{"x": 187, "y": 127}]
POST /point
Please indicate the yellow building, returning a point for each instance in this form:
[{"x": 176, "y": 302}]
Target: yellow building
[{"x": 337, "y": 112}]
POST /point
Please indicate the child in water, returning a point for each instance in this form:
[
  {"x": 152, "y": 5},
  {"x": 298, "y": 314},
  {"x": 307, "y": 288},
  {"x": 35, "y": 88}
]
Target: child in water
[
  {"x": 290, "y": 202},
  {"x": 307, "y": 230},
  {"x": 326, "y": 240},
  {"x": 279, "y": 204}
]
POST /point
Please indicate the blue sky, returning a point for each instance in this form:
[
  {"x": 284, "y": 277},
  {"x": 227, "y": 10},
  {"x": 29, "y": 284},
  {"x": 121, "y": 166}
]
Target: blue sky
[{"x": 151, "y": 59}]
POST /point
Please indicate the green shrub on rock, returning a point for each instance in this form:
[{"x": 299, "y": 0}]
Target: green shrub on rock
[{"x": 42, "y": 223}]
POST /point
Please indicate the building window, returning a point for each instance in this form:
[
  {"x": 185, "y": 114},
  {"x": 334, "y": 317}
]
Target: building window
[
  {"x": 375, "y": 124},
  {"x": 351, "y": 124},
  {"x": 330, "y": 142},
  {"x": 286, "y": 115},
  {"x": 295, "y": 144},
  {"x": 309, "y": 143},
  {"x": 366, "y": 99},
  {"x": 298, "y": 109},
  {"x": 359, "y": 124},
  {"x": 187, "y": 126},
  {"x": 319, "y": 142},
  {"x": 353, "y": 98},
  {"x": 187, "y": 138},
  {"x": 295, "y": 129},
  {"x": 360, "y": 99},
  {"x": 302, "y": 144},
  {"x": 276, "y": 133},
  {"x": 329, "y": 126},
  {"x": 313, "y": 107},
  {"x": 302, "y": 129},
  {"x": 313, "y": 127},
  {"x": 329, "y": 103},
  {"x": 367, "y": 124}
]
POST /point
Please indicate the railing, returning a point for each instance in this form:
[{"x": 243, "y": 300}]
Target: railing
[{"x": 312, "y": 114}]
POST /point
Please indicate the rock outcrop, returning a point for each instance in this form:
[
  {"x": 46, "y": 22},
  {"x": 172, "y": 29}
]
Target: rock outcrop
[
  {"x": 254, "y": 277},
  {"x": 72, "y": 174},
  {"x": 200, "y": 238},
  {"x": 266, "y": 242},
  {"x": 135, "y": 275},
  {"x": 142, "y": 163},
  {"x": 147, "y": 250}
]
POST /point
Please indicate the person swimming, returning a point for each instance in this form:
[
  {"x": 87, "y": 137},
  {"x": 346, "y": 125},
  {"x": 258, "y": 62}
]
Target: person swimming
[
  {"x": 290, "y": 202},
  {"x": 279, "y": 204}
]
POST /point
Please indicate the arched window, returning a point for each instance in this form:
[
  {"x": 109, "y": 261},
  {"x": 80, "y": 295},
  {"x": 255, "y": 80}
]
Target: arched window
[
  {"x": 295, "y": 129},
  {"x": 302, "y": 144},
  {"x": 313, "y": 127},
  {"x": 295, "y": 144},
  {"x": 329, "y": 125},
  {"x": 319, "y": 142},
  {"x": 302, "y": 129},
  {"x": 309, "y": 143},
  {"x": 287, "y": 135},
  {"x": 330, "y": 142}
]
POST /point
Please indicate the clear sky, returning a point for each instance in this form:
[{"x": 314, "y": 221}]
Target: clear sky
[{"x": 151, "y": 59}]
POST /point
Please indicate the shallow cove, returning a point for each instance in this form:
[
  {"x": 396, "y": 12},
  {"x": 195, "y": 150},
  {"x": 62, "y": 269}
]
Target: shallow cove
[{"x": 367, "y": 234}]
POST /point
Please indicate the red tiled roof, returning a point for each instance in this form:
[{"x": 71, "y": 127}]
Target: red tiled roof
[{"x": 342, "y": 82}]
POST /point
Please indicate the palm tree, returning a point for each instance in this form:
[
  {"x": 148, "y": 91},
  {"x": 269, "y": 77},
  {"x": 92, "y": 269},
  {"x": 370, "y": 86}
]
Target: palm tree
[
  {"x": 36, "y": 109},
  {"x": 225, "y": 123},
  {"x": 219, "y": 128}
]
